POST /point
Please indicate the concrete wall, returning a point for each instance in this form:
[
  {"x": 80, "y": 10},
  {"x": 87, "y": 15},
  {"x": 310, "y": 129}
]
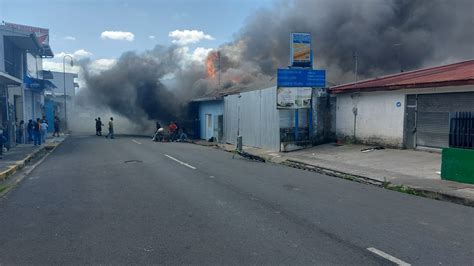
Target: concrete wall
[
  {"x": 58, "y": 80},
  {"x": 214, "y": 108},
  {"x": 259, "y": 119},
  {"x": 379, "y": 120}
]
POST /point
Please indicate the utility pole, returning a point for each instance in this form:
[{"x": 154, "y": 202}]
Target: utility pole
[
  {"x": 219, "y": 63},
  {"x": 355, "y": 56},
  {"x": 398, "y": 46}
]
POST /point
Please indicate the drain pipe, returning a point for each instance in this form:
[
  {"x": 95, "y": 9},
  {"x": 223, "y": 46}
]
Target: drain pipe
[{"x": 354, "y": 111}]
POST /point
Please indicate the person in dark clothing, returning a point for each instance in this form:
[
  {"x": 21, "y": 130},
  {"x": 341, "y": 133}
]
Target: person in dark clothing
[
  {"x": 183, "y": 136},
  {"x": 30, "y": 128},
  {"x": 20, "y": 132},
  {"x": 2, "y": 140},
  {"x": 37, "y": 131},
  {"x": 56, "y": 127},
  {"x": 98, "y": 127}
]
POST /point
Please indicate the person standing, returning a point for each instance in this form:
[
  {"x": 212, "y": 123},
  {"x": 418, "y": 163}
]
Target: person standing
[
  {"x": 56, "y": 126},
  {"x": 44, "y": 130},
  {"x": 98, "y": 126},
  {"x": 2, "y": 140},
  {"x": 20, "y": 132},
  {"x": 30, "y": 129},
  {"x": 37, "y": 132},
  {"x": 111, "y": 129}
]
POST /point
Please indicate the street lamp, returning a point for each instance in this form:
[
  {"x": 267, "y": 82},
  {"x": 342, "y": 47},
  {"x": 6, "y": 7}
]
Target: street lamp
[{"x": 64, "y": 80}]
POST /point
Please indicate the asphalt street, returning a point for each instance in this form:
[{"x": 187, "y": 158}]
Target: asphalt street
[{"x": 133, "y": 201}]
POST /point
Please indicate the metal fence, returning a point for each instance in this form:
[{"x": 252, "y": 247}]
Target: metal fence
[{"x": 461, "y": 134}]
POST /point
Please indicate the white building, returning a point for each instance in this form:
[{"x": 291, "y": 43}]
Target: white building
[{"x": 405, "y": 110}]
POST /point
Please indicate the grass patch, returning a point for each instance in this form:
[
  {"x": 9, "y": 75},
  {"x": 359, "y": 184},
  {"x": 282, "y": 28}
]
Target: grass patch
[
  {"x": 4, "y": 187},
  {"x": 404, "y": 189}
]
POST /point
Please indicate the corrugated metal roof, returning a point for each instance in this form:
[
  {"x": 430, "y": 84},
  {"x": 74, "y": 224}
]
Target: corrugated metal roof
[{"x": 457, "y": 74}]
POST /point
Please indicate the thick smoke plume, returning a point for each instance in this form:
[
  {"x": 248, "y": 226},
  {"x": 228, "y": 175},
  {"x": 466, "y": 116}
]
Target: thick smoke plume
[{"x": 386, "y": 36}]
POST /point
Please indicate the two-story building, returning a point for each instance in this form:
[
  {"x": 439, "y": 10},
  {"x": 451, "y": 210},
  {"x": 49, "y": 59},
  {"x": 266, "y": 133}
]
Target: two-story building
[{"x": 22, "y": 79}]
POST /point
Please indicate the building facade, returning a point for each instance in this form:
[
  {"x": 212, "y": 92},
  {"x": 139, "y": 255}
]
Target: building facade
[
  {"x": 22, "y": 79},
  {"x": 406, "y": 110}
]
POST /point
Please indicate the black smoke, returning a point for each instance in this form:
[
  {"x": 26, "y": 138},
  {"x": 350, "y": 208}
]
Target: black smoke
[{"x": 387, "y": 36}]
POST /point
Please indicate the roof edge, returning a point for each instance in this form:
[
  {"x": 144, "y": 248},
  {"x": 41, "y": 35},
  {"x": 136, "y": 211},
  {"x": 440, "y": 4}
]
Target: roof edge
[{"x": 406, "y": 86}]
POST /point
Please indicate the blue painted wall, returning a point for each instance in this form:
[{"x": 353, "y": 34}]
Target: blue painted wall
[
  {"x": 214, "y": 108},
  {"x": 49, "y": 112}
]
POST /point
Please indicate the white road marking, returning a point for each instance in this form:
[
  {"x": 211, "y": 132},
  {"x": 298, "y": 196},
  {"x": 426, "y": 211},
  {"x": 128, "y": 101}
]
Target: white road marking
[
  {"x": 136, "y": 141},
  {"x": 388, "y": 257},
  {"x": 180, "y": 162}
]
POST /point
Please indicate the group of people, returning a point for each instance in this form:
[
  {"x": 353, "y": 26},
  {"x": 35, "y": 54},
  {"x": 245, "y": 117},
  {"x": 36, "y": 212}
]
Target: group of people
[
  {"x": 99, "y": 125},
  {"x": 175, "y": 133},
  {"x": 37, "y": 130},
  {"x": 34, "y": 132}
]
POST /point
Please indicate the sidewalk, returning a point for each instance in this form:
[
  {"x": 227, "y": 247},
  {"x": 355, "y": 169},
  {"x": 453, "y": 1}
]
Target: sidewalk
[
  {"x": 17, "y": 157},
  {"x": 415, "y": 172}
]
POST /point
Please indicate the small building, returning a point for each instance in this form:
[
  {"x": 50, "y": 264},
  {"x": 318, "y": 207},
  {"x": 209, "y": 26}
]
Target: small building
[
  {"x": 210, "y": 115},
  {"x": 57, "y": 103},
  {"x": 254, "y": 115},
  {"x": 405, "y": 110}
]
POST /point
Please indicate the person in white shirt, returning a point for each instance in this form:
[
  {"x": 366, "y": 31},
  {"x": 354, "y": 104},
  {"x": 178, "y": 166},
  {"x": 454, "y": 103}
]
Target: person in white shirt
[{"x": 44, "y": 130}]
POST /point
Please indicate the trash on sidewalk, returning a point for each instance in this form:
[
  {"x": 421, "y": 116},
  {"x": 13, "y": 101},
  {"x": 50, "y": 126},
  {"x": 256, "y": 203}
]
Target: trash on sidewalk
[{"x": 372, "y": 149}]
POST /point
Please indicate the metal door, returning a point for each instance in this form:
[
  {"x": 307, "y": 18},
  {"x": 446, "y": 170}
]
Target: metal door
[
  {"x": 209, "y": 128},
  {"x": 410, "y": 122},
  {"x": 432, "y": 116}
]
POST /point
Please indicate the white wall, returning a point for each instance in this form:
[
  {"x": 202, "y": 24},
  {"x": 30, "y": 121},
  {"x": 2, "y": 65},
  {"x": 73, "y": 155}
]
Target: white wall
[
  {"x": 379, "y": 120},
  {"x": 259, "y": 119}
]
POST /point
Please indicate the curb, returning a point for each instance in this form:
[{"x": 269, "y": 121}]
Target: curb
[
  {"x": 22, "y": 163},
  {"x": 436, "y": 195}
]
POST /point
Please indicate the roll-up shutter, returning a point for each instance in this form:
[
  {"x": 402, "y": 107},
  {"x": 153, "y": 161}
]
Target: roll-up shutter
[{"x": 433, "y": 110}]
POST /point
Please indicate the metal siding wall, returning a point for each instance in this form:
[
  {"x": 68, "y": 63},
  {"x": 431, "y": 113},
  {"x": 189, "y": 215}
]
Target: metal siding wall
[
  {"x": 259, "y": 119},
  {"x": 433, "y": 116}
]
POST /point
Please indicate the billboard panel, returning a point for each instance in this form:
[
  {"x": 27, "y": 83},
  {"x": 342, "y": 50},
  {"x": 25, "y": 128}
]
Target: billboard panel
[
  {"x": 41, "y": 33},
  {"x": 300, "y": 50},
  {"x": 295, "y": 77},
  {"x": 293, "y": 98}
]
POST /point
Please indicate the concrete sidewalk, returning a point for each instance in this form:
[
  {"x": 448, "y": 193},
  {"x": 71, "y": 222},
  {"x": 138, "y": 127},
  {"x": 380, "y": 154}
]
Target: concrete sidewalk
[
  {"x": 416, "y": 172},
  {"x": 18, "y": 156}
]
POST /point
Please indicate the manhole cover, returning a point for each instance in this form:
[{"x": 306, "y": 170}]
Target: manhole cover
[{"x": 133, "y": 161}]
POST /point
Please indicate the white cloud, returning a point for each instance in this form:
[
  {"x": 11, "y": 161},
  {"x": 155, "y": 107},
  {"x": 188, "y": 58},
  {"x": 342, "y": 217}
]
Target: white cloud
[
  {"x": 78, "y": 54},
  {"x": 81, "y": 53},
  {"x": 117, "y": 35},
  {"x": 188, "y": 56},
  {"x": 151, "y": 37},
  {"x": 100, "y": 65},
  {"x": 58, "y": 66},
  {"x": 200, "y": 54},
  {"x": 70, "y": 38},
  {"x": 184, "y": 37}
]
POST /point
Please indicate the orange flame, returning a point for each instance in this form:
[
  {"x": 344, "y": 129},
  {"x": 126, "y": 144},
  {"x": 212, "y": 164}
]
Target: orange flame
[{"x": 211, "y": 61}]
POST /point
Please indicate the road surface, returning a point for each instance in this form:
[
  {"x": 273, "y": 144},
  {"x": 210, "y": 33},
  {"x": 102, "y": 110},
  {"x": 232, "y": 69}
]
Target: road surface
[{"x": 129, "y": 200}]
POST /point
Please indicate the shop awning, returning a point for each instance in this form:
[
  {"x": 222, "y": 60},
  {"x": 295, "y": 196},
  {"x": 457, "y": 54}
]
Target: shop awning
[
  {"x": 7, "y": 79},
  {"x": 39, "y": 84},
  {"x": 25, "y": 42}
]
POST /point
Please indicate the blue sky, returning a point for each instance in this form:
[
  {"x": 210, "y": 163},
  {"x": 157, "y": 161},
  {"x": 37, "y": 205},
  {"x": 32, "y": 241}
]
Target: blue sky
[{"x": 85, "y": 21}]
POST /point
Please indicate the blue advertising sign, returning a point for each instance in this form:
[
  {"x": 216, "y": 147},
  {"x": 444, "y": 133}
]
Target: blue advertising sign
[
  {"x": 295, "y": 77},
  {"x": 300, "y": 50}
]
